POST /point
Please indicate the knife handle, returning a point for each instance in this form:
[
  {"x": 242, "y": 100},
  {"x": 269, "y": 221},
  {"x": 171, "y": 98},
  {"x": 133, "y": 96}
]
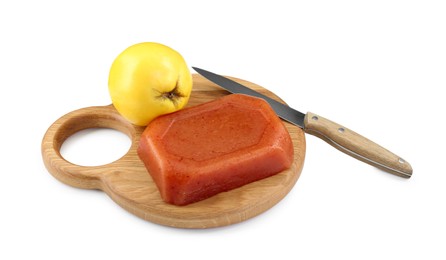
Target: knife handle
[{"x": 356, "y": 145}]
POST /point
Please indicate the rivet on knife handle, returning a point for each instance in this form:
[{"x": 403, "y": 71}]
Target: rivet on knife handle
[{"x": 356, "y": 145}]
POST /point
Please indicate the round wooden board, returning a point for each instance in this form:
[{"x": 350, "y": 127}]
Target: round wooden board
[{"x": 129, "y": 184}]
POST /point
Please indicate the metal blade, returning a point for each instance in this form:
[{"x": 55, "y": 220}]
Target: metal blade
[{"x": 283, "y": 111}]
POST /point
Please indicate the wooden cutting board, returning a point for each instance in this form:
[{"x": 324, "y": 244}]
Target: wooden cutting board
[{"x": 129, "y": 184}]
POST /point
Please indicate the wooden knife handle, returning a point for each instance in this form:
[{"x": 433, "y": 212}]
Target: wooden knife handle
[{"x": 356, "y": 145}]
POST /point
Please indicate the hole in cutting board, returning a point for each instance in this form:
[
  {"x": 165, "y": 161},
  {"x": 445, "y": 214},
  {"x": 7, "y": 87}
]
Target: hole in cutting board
[{"x": 95, "y": 146}]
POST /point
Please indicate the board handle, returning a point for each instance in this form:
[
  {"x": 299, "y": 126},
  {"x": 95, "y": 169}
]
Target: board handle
[
  {"x": 357, "y": 146},
  {"x": 87, "y": 177}
]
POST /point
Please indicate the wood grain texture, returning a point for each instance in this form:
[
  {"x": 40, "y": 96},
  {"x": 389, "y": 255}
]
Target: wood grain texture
[
  {"x": 355, "y": 145},
  {"x": 128, "y": 183}
]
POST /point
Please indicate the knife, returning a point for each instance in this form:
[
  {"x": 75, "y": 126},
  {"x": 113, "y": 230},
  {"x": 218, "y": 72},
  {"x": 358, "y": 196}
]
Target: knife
[{"x": 335, "y": 134}]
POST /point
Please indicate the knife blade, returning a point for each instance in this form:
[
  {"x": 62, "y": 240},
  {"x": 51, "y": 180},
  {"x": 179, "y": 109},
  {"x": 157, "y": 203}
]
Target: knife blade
[{"x": 340, "y": 137}]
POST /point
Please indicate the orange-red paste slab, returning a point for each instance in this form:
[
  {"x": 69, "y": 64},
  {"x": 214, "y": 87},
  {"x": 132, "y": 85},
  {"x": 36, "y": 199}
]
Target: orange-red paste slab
[{"x": 214, "y": 147}]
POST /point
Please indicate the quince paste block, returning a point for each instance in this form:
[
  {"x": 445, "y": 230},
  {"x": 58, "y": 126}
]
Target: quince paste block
[{"x": 198, "y": 152}]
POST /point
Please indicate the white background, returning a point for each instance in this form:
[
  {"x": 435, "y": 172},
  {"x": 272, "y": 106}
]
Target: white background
[{"x": 377, "y": 67}]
